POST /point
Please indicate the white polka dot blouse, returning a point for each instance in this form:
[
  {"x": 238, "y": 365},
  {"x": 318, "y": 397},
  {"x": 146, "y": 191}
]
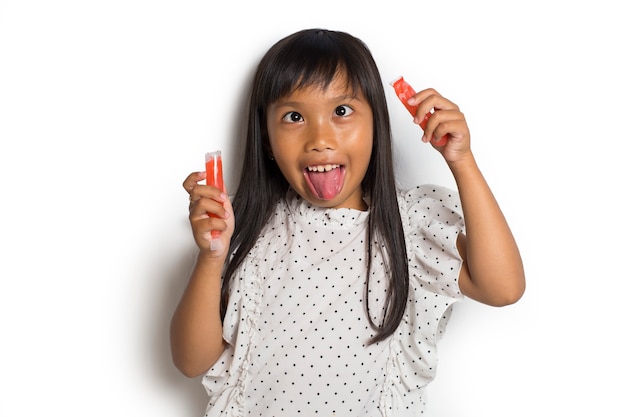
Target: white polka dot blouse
[{"x": 297, "y": 327}]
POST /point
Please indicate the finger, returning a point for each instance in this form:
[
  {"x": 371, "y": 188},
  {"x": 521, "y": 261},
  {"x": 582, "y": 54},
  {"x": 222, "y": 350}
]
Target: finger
[
  {"x": 445, "y": 115},
  {"x": 207, "y": 194},
  {"x": 202, "y": 232},
  {"x": 455, "y": 129},
  {"x": 429, "y": 101},
  {"x": 422, "y": 95},
  {"x": 192, "y": 180},
  {"x": 208, "y": 229},
  {"x": 203, "y": 226},
  {"x": 429, "y": 96},
  {"x": 214, "y": 205}
]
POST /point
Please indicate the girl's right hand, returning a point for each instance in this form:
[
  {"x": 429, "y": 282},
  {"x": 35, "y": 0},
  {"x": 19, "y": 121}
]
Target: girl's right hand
[
  {"x": 446, "y": 120},
  {"x": 205, "y": 200}
]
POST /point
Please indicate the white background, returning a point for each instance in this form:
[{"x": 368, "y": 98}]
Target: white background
[{"x": 106, "y": 106}]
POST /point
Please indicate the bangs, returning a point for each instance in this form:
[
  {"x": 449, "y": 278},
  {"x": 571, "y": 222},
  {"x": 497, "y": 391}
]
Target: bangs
[{"x": 313, "y": 60}]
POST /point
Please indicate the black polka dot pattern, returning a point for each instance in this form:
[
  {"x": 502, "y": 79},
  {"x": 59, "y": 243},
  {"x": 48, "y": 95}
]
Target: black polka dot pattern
[{"x": 296, "y": 323}]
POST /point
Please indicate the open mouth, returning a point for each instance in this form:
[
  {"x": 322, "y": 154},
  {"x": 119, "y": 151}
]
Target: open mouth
[{"x": 325, "y": 181}]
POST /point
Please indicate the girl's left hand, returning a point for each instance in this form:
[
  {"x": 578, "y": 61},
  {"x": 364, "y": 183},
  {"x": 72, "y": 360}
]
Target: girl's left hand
[{"x": 446, "y": 120}]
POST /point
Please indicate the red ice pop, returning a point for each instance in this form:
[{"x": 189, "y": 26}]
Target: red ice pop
[
  {"x": 404, "y": 91},
  {"x": 214, "y": 177}
]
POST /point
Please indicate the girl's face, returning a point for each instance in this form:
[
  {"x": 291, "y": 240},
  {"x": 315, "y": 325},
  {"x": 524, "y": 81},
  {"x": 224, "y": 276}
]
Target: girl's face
[{"x": 322, "y": 142}]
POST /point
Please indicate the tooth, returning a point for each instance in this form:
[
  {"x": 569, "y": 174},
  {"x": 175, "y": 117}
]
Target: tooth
[{"x": 322, "y": 168}]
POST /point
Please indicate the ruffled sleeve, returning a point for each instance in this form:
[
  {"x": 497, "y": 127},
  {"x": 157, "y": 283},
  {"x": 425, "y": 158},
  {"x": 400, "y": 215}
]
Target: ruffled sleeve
[{"x": 432, "y": 219}]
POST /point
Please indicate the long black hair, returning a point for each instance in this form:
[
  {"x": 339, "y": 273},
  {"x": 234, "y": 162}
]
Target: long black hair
[{"x": 314, "y": 57}]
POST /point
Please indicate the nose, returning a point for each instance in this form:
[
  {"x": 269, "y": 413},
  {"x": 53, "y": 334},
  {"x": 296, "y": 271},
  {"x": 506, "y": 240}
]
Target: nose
[{"x": 321, "y": 137}]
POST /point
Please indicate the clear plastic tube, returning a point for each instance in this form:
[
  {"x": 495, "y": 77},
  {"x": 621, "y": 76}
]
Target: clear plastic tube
[
  {"x": 404, "y": 91},
  {"x": 214, "y": 177}
]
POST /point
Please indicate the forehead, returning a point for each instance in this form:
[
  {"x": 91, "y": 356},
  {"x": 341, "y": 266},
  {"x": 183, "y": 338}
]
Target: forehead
[{"x": 339, "y": 87}]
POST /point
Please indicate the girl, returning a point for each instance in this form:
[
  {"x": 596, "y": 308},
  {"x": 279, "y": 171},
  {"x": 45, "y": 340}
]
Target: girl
[{"x": 328, "y": 288}]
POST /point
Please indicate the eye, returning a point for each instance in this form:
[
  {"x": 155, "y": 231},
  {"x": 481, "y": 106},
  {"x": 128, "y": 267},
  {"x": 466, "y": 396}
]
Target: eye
[
  {"x": 292, "y": 117},
  {"x": 343, "y": 111}
]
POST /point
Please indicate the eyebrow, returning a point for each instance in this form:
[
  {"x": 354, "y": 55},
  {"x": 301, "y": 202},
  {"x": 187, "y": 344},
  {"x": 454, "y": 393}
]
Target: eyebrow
[{"x": 342, "y": 97}]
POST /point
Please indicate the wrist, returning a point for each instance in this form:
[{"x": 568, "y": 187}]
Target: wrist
[
  {"x": 209, "y": 260},
  {"x": 463, "y": 165}
]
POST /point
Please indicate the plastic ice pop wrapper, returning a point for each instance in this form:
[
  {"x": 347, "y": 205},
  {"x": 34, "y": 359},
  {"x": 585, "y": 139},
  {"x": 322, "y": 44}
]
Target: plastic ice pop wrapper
[
  {"x": 214, "y": 177},
  {"x": 404, "y": 91}
]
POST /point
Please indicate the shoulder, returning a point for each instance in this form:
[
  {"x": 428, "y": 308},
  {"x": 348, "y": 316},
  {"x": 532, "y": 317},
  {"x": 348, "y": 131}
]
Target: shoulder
[
  {"x": 432, "y": 220},
  {"x": 429, "y": 203}
]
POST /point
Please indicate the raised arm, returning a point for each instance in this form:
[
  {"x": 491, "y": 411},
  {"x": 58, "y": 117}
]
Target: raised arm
[
  {"x": 196, "y": 326},
  {"x": 492, "y": 271}
]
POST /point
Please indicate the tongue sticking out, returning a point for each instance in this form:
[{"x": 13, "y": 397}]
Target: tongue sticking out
[{"x": 326, "y": 184}]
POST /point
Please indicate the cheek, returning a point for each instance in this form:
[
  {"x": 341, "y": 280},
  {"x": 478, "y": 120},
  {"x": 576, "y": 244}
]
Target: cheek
[
  {"x": 363, "y": 146},
  {"x": 366, "y": 157},
  {"x": 283, "y": 157},
  {"x": 281, "y": 151}
]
